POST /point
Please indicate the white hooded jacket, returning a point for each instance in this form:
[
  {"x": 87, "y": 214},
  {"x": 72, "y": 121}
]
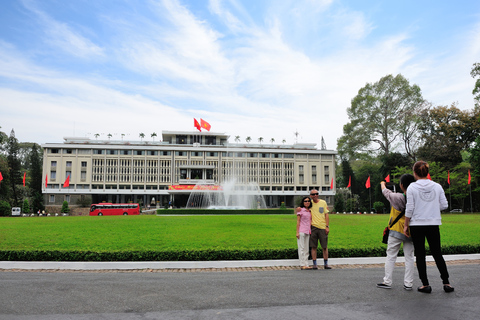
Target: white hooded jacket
[{"x": 425, "y": 200}]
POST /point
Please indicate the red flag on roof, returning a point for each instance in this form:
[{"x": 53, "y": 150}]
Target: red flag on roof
[
  {"x": 67, "y": 182},
  {"x": 387, "y": 179},
  {"x": 46, "y": 181},
  {"x": 24, "y": 176},
  {"x": 428, "y": 176},
  {"x": 448, "y": 177},
  {"x": 367, "y": 184},
  {"x": 469, "y": 177},
  {"x": 205, "y": 125},
  {"x": 196, "y": 124},
  {"x": 331, "y": 184},
  {"x": 349, "y": 181}
]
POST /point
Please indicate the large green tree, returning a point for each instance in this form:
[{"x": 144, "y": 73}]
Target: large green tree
[
  {"x": 476, "y": 91},
  {"x": 379, "y": 116},
  {"x": 447, "y": 131},
  {"x": 35, "y": 183}
]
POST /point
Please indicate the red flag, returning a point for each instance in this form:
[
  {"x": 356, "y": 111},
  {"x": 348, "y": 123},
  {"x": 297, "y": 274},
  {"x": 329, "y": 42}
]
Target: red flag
[
  {"x": 1, "y": 177},
  {"x": 67, "y": 182},
  {"x": 205, "y": 125},
  {"x": 331, "y": 184},
  {"x": 349, "y": 181},
  {"x": 469, "y": 177},
  {"x": 387, "y": 179},
  {"x": 196, "y": 124},
  {"x": 24, "y": 176},
  {"x": 428, "y": 176},
  {"x": 448, "y": 178},
  {"x": 46, "y": 181},
  {"x": 367, "y": 184}
]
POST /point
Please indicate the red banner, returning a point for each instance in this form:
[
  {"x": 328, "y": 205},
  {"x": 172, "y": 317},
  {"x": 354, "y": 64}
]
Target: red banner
[{"x": 192, "y": 187}]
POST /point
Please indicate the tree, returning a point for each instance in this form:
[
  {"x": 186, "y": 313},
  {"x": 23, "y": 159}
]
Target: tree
[
  {"x": 14, "y": 167},
  {"x": 248, "y": 139},
  {"x": 260, "y": 140},
  {"x": 96, "y": 135},
  {"x": 446, "y": 132},
  {"x": 237, "y": 139},
  {"x": 476, "y": 91},
  {"x": 35, "y": 184},
  {"x": 153, "y": 135},
  {"x": 109, "y": 136},
  {"x": 283, "y": 141},
  {"x": 141, "y": 135},
  {"x": 5, "y": 208},
  {"x": 378, "y": 115},
  {"x": 272, "y": 140}
]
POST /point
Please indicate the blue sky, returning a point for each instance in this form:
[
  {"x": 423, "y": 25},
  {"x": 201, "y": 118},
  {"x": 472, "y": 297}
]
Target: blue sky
[{"x": 250, "y": 68}]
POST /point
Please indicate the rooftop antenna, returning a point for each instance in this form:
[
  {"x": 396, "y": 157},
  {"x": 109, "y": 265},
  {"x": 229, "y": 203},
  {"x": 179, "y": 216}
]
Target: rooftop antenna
[
  {"x": 324, "y": 146},
  {"x": 296, "y": 133}
]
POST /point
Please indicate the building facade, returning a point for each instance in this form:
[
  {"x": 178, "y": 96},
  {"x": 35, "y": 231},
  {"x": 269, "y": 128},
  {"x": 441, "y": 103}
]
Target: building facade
[{"x": 158, "y": 173}]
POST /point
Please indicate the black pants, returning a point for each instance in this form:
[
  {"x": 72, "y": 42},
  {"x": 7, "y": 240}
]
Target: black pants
[{"x": 432, "y": 234}]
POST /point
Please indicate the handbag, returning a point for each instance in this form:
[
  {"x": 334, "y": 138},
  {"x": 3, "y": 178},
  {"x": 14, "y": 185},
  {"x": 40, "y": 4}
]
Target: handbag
[{"x": 386, "y": 231}]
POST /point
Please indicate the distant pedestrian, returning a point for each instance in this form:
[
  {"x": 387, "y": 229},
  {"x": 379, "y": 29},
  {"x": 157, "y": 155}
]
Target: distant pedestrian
[
  {"x": 396, "y": 236},
  {"x": 425, "y": 200},
  {"x": 304, "y": 221}
]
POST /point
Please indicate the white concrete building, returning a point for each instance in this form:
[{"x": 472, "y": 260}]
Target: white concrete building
[{"x": 158, "y": 172}]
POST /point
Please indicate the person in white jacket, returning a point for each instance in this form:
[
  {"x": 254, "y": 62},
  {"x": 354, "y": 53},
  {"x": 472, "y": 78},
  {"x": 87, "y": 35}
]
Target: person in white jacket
[{"x": 425, "y": 200}]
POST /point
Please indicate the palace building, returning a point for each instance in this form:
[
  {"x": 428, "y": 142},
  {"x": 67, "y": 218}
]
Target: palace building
[{"x": 158, "y": 173}]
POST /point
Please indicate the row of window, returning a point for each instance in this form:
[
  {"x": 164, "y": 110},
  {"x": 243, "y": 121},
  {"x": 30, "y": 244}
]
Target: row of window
[{"x": 193, "y": 153}]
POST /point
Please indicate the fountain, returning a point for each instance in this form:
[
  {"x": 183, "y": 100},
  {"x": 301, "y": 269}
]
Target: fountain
[{"x": 229, "y": 195}]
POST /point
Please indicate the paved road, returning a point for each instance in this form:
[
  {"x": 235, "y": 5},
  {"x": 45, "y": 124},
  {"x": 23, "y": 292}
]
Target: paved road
[{"x": 279, "y": 294}]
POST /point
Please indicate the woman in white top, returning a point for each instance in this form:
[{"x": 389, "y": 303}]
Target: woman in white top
[{"x": 425, "y": 200}]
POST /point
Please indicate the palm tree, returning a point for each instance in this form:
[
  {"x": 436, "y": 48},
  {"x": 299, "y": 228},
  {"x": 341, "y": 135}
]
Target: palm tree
[
  {"x": 123, "y": 135},
  {"x": 142, "y": 135},
  {"x": 260, "y": 140},
  {"x": 248, "y": 139},
  {"x": 237, "y": 139},
  {"x": 96, "y": 135},
  {"x": 283, "y": 141},
  {"x": 272, "y": 140},
  {"x": 109, "y": 136},
  {"x": 153, "y": 135}
]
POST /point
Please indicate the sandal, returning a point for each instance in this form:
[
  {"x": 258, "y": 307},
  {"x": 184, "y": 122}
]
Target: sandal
[{"x": 306, "y": 268}]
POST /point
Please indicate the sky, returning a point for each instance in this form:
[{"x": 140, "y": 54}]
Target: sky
[{"x": 278, "y": 69}]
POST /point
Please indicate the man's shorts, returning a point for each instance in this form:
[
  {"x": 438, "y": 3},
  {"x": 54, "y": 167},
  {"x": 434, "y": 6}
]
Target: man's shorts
[{"x": 318, "y": 235}]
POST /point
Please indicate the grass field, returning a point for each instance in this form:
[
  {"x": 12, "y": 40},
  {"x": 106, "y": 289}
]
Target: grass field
[{"x": 158, "y": 233}]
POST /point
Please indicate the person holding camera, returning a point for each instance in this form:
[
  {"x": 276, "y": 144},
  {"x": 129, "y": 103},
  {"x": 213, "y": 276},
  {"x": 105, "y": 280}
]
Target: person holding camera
[{"x": 396, "y": 237}]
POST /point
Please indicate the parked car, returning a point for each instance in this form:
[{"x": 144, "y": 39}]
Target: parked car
[{"x": 456, "y": 210}]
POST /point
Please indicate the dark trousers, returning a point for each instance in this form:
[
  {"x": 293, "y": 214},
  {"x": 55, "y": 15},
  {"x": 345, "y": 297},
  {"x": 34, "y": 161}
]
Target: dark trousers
[{"x": 432, "y": 234}]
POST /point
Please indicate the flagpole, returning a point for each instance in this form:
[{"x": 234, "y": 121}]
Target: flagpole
[{"x": 471, "y": 206}]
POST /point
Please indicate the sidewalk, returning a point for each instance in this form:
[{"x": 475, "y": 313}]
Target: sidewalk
[{"x": 162, "y": 265}]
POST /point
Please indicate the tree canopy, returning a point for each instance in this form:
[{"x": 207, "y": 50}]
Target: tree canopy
[{"x": 380, "y": 115}]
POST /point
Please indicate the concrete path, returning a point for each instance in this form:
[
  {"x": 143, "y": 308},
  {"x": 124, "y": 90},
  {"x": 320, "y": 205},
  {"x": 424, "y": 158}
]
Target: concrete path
[{"x": 340, "y": 293}]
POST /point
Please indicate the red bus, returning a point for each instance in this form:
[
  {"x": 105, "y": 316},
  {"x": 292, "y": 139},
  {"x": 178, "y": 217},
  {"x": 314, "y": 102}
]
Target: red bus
[{"x": 112, "y": 209}]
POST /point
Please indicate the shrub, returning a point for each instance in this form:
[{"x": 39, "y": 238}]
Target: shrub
[
  {"x": 5, "y": 208},
  {"x": 378, "y": 206},
  {"x": 65, "y": 208},
  {"x": 26, "y": 206}
]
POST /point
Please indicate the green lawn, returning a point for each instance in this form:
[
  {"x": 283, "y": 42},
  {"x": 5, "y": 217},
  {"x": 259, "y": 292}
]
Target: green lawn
[{"x": 163, "y": 233}]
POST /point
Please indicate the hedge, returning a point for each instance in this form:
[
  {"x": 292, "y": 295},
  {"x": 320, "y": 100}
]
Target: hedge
[{"x": 201, "y": 255}]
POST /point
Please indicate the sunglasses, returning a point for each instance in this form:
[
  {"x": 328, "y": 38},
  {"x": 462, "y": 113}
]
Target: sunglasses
[
  {"x": 314, "y": 194},
  {"x": 306, "y": 200}
]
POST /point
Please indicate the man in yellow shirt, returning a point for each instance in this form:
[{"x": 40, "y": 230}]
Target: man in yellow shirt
[{"x": 320, "y": 228}]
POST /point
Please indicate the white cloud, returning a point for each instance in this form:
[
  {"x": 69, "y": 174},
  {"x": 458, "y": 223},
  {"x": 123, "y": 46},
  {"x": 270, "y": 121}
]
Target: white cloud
[{"x": 62, "y": 36}]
